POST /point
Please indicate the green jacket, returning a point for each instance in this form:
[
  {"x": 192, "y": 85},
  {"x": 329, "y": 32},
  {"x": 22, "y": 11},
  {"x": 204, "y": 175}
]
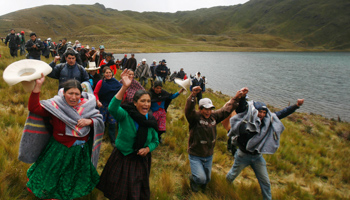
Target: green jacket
[{"x": 127, "y": 130}]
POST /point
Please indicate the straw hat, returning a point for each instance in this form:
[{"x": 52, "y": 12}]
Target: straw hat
[
  {"x": 92, "y": 66},
  {"x": 26, "y": 71}
]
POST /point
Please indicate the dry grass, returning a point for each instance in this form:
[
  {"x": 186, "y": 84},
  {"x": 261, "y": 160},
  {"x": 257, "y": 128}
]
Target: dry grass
[{"x": 311, "y": 163}]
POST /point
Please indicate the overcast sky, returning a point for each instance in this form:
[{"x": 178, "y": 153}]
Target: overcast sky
[{"x": 8, "y": 6}]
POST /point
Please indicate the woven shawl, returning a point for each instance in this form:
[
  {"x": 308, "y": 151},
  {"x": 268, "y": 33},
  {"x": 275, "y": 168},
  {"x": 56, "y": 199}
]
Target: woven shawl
[
  {"x": 37, "y": 130},
  {"x": 267, "y": 139}
]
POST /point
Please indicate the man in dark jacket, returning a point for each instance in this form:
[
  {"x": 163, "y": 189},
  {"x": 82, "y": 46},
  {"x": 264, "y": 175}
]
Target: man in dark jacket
[
  {"x": 69, "y": 70},
  {"x": 256, "y": 131},
  {"x": 22, "y": 49},
  {"x": 162, "y": 71},
  {"x": 198, "y": 81},
  {"x": 131, "y": 63},
  {"x": 34, "y": 47},
  {"x": 14, "y": 42},
  {"x": 62, "y": 47}
]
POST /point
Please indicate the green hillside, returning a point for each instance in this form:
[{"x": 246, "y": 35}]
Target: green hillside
[{"x": 258, "y": 25}]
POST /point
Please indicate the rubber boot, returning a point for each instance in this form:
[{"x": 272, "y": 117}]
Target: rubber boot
[{"x": 111, "y": 133}]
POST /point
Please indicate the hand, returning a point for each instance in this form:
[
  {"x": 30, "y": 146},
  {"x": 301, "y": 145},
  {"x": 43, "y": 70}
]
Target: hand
[
  {"x": 238, "y": 95},
  {"x": 99, "y": 104},
  {"x": 244, "y": 90},
  {"x": 196, "y": 90},
  {"x": 34, "y": 46},
  {"x": 143, "y": 152},
  {"x": 56, "y": 59},
  {"x": 84, "y": 122},
  {"x": 300, "y": 102},
  {"x": 125, "y": 77},
  {"x": 38, "y": 83},
  {"x": 180, "y": 91}
]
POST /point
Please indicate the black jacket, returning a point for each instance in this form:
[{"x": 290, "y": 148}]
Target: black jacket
[
  {"x": 13, "y": 40},
  {"x": 33, "y": 52}
]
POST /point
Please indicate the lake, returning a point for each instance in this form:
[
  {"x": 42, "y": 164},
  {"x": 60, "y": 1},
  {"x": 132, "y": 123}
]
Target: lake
[{"x": 276, "y": 78}]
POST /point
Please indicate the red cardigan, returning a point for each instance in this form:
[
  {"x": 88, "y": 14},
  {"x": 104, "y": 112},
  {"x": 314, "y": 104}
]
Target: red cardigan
[{"x": 59, "y": 127}]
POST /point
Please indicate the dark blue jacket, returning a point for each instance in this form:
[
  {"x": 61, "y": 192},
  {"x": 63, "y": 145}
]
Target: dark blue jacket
[
  {"x": 64, "y": 72},
  {"x": 200, "y": 83},
  {"x": 160, "y": 68}
]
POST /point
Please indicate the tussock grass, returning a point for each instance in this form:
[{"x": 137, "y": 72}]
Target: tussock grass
[{"x": 311, "y": 163}]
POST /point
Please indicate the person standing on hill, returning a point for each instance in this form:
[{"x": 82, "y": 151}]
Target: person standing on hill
[
  {"x": 14, "y": 42},
  {"x": 153, "y": 69},
  {"x": 131, "y": 63},
  {"x": 256, "y": 131},
  {"x": 143, "y": 72},
  {"x": 162, "y": 71},
  {"x": 68, "y": 70},
  {"x": 123, "y": 61},
  {"x": 99, "y": 55},
  {"x": 34, "y": 47},
  {"x": 202, "y": 136},
  {"x": 62, "y": 47},
  {"x": 22, "y": 42},
  {"x": 198, "y": 81}
]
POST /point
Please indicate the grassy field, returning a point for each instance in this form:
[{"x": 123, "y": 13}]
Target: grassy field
[{"x": 312, "y": 162}]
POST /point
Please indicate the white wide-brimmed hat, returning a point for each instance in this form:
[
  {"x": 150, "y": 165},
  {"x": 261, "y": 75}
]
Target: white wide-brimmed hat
[
  {"x": 26, "y": 71},
  {"x": 183, "y": 83},
  {"x": 92, "y": 66}
]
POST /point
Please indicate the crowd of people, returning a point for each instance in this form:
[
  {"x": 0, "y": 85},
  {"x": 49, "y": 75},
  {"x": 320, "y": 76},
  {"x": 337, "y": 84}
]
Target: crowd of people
[{"x": 65, "y": 166}]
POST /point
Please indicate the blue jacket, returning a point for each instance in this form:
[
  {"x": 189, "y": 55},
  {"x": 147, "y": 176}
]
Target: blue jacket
[
  {"x": 64, "y": 72},
  {"x": 160, "y": 68}
]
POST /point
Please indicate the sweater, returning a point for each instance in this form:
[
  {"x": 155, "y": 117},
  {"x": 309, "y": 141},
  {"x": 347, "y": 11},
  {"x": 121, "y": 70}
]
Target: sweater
[{"x": 127, "y": 130}]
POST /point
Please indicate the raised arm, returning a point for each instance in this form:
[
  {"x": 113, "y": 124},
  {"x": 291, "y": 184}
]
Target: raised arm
[
  {"x": 191, "y": 104},
  {"x": 230, "y": 106},
  {"x": 289, "y": 110}
]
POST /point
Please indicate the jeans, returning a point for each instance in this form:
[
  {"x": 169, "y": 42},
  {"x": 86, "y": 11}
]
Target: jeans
[
  {"x": 143, "y": 81},
  {"x": 22, "y": 50},
  {"x": 159, "y": 78},
  {"x": 201, "y": 169},
  {"x": 258, "y": 163}
]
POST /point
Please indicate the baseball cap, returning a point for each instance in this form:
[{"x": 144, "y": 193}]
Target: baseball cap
[{"x": 206, "y": 103}]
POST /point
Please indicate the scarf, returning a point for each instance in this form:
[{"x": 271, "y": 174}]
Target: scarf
[
  {"x": 37, "y": 129},
  {"x": 143, "y": 122},
  {"x": 267, "y": 137},
  {"x": 109, "y": 88},
  {"x": 162, "y": 96},
  {"x": 133, "y": 88}
]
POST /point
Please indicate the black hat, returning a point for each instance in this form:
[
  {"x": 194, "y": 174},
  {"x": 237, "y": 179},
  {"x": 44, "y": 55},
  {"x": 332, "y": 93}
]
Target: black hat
[{"x": 31, "y": 34}]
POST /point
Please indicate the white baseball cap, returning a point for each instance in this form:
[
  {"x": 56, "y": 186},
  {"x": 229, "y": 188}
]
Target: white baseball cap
[{"x": 206, "y": 103}]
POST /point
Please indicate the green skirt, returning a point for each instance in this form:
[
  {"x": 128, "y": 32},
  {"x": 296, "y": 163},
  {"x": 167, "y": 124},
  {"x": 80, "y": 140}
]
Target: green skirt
[{"x": 63, "y": 173}]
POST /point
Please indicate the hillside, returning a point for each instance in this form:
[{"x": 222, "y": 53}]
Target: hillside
[
  {"x": 267, "y": 25},
  {"x": 312, "y": 162}
]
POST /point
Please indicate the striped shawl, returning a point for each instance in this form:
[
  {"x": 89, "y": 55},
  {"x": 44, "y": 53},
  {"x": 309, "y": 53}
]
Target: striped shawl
[{"x": 37, "y": 129}]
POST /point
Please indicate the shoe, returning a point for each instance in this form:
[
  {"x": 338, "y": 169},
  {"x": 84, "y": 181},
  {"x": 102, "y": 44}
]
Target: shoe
[{"x": 194, "y": 186}]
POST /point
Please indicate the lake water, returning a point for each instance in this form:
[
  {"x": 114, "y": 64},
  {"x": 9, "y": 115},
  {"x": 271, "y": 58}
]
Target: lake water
[{"x": 276, "y": 78}]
